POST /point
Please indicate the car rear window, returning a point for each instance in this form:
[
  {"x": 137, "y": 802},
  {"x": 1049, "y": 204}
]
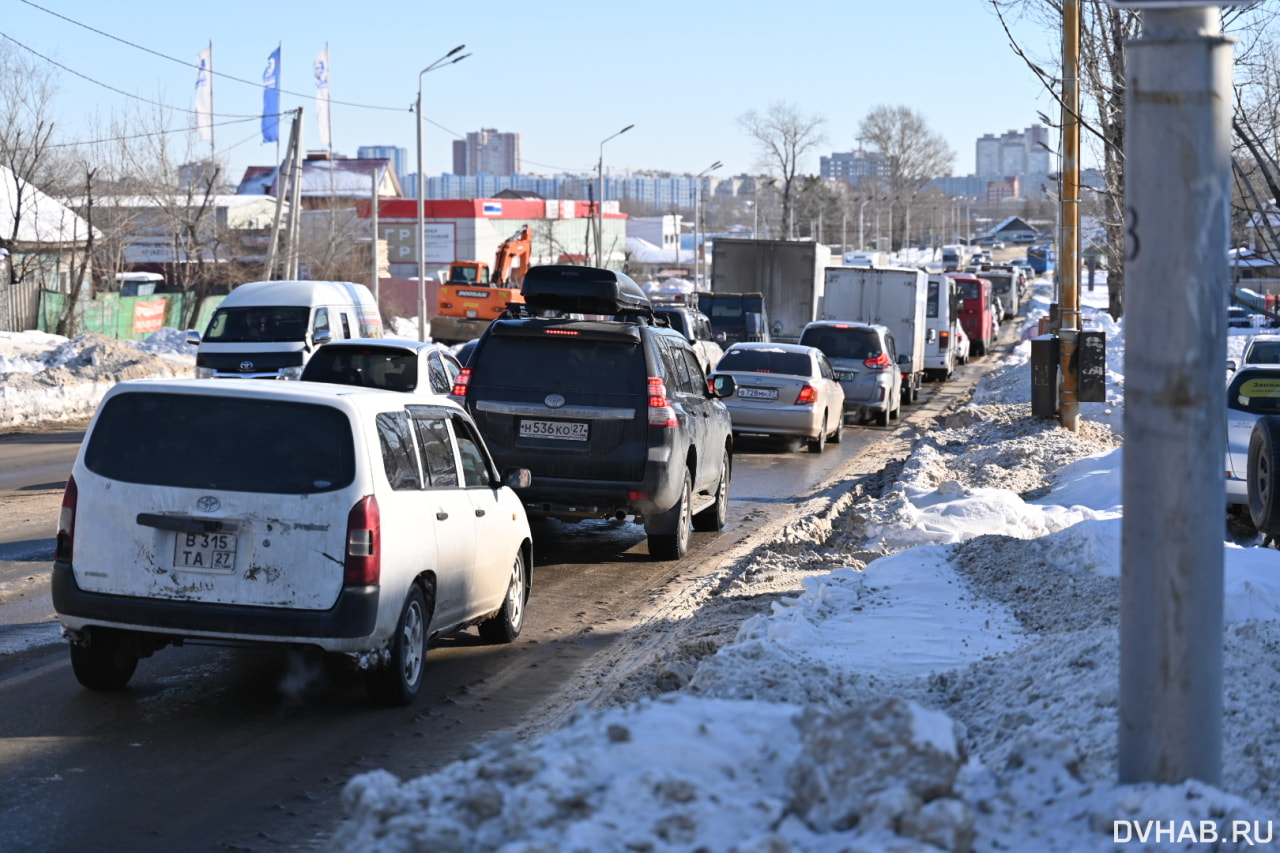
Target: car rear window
[
  {"x": 368, "y": 367},
  {"x": 563, "y": 363},
  {"x": 237, "y": 444},
  {"x": 842, "y": 343},
  {"x": 1254, "y": 392},
  {"x": 765, "y": 361},
  {"x": 1264, "y": 353}
]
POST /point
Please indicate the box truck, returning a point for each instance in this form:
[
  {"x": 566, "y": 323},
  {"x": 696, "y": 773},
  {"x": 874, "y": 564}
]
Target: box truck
[
  {"x": 788, "y": 272},
  {"x": 891, "y": 297}
]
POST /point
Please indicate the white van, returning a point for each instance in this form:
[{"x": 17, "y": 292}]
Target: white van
[
  {"x": 359, "y": 521},
  {"x": 268, "y": 329},
  {"x": 943, "y": 352}
]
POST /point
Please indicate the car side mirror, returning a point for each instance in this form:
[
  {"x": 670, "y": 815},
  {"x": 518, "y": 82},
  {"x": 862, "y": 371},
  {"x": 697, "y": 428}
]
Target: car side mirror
[
  {"x": 722, "y": 386},
  {"x": 1232, "y": 366},
  {"x": 322, "y": 336},
  {"x": 516, "y": 478},
  {"x": 904, "y": 359},
  {"x": 193, "y": 337}
]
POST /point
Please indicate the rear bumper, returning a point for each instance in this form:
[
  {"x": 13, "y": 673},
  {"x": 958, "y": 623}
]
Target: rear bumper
[
  {"x": 353, "y": 617},
  {"x": 572, "y": 499},
  {"x": 804, "y": 421}
]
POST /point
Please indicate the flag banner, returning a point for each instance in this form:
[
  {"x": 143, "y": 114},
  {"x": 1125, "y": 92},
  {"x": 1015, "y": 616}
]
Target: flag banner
[
  {"x": 271, "y": 98},
  {"x": 204, "y": 94},
  {"x": 322, "y": 96}
]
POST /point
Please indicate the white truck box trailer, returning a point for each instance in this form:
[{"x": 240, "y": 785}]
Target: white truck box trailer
[{"x": 891, "y": 297}]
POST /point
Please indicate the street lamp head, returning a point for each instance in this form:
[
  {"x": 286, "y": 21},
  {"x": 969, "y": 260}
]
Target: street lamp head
[
  {"x": 625, "y": 129},
  {"x": 456, "y": 49}
]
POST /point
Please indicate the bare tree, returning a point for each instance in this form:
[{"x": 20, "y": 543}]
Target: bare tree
[
  {"x": 913, "y": 153},
  {"x": 784, "y": 136}
]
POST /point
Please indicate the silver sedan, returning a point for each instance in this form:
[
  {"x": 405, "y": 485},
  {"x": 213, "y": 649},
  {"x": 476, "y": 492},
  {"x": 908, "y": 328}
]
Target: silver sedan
[{"x": 784, "y": 390}]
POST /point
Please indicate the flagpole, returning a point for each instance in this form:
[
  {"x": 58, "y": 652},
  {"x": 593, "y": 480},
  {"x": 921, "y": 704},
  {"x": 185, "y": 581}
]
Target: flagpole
[
  {"x": 279, "y": 72},
  {"x": 213, "y": 153}
]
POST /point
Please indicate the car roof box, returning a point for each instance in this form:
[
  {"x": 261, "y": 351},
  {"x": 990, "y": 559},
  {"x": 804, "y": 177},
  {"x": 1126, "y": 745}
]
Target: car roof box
[{"x": 583, "y": 290}]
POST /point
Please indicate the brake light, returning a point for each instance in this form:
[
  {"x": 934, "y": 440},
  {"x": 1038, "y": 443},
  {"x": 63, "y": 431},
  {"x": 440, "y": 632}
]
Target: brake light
[
  {"x": 461, "y": 381},
  {"x": 661, "y": 413},
  {"x": 808, "y": 394},
  {"x": 67, "y": 522},
  {"x": 559, "y": 332},
  {"x": 363, "y": 563},
  {"x": 880, "y": 361},
  {"x": 944, "y": 340}
]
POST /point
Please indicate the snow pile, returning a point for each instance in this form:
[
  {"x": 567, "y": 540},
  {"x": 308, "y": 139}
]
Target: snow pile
[
  {"x": 47, "y": 377},
  {"x": 930, "y": 665}
]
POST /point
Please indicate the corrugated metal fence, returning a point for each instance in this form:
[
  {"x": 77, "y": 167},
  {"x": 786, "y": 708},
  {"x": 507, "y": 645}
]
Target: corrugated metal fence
[{"x": 19, "y": 306}]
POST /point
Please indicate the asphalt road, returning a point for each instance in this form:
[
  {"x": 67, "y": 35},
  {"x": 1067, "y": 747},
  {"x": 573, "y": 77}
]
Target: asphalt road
[{"x": 226, "y": 749}]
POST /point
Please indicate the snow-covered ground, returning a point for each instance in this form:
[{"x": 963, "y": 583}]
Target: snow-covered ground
[{"x": 930, "y": 663}]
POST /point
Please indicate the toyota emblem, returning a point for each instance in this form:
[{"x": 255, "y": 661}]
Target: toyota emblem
[
  {"x": 208, "y": 503},
  {"x": 554, "y": 401},
  {"x": 246, "y": 367}
]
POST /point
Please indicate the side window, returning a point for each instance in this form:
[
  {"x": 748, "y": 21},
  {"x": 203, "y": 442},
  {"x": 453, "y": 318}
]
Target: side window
[
  {"x": 437, "y": 451},
  {"x": 475, "y": 467},
  {"x": 891, "y": 348},
  {"x": 824, "y": 367},
  {"x": 440, "y": 381},
  {"x": 682, "y": 380},
  {"x": 346, "y": 326},
  {"x": 398, "y": 457},
  {"x": 322, "y": 320},
  {"x": 698, "y": 380}
]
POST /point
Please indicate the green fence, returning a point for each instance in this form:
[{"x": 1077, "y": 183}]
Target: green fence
[{"x": 127, "y": 318}]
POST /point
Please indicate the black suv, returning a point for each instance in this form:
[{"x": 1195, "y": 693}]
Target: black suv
[{"x": 614, "y": 417}]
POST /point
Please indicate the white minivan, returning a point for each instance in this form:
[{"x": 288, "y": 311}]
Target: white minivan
[
  {"x": 267, "y": 329},
  {"x": 942, "y": 351},
  {"x": 359, "y": 521}
]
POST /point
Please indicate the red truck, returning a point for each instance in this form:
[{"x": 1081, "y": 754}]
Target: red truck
[{"x": 976, "y": 317}]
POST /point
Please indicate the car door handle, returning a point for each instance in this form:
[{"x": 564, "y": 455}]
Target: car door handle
[
  {"x": 479, "y": 513},
  {"x": 441, "y": 515}
]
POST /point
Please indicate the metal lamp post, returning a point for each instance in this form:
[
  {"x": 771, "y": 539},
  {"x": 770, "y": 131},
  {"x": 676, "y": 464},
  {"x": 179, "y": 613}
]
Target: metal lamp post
[
  {"x": 600, "y": 198},
  {"x": 862, "y": 240},
  {"x": 448, "y": 59},
  {"x": 697, "y": 203}
]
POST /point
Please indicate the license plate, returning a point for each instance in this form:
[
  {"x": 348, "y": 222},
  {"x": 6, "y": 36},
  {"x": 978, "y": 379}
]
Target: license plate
[
  {"x": 564, "y": 430},
  {"x": 758, "y": 393},
  {"x": 208, "y": 552}
]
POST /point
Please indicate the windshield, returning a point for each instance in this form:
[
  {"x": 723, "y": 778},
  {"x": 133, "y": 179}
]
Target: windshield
[
  {"x": 237, "y": 444},
  {"x": 852, "y": 342},
  {"x": 258, "y": 323}
]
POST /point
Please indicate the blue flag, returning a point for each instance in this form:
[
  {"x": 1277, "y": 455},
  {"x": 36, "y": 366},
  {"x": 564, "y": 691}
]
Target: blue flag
[{"x": 271, "y": 98}]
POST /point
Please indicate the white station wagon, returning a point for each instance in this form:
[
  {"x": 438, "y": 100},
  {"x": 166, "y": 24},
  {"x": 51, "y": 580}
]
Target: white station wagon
[{"x": 360, "y": 521}]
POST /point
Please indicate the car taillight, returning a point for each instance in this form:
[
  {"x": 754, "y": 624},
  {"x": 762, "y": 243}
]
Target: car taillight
[
  {"x": 879, "y": 362},
  {"x": 446, "y": 304},
  {"x": 363, "y": 563},
  {"x": 67, "y": 522},
  {"x": 808, "y": 394},
  {"x": 944, "y": 340},
  {"x": 461, "y": 381},
  {"x": 661, "y": 413}
]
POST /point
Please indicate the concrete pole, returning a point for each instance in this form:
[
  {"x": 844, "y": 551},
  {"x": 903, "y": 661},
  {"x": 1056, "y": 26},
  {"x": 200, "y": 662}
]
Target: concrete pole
[
  {"x": 1177, "y": 186},
  {"x": 373, "y": 222},
  {"x": 1069, "y": 217},
  {"x": 420, "y": 245}
]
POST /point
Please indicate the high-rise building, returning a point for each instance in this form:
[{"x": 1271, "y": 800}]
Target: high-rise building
[
  {"x": 487, "y": 152},
  {"x": 1014, "y": 152},
  {"x": 852, "y": 166},
  {"x": 397, "y": 156}
]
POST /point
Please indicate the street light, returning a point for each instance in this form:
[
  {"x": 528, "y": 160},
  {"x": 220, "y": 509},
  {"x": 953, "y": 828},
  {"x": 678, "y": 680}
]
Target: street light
[
  {"x": 862, "y": 243},
  {"x": 448, "y": 59},
  {"x": 697, "y": 200},
  {"x": 600, "y": 198}
]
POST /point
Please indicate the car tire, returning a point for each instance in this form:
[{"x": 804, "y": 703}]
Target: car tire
[
  {"x": 399, "y": 682},
  {"x": 673, "y": 546},
  {"x": 106, "y": 662},
  {"x": 1262, "y": 470},
  {"x": 882, "y": 418},
  {"x": 713, "y": 518},
  {"x": 838, "y": 433},
  {"x": 897, "y": 412},
  {"x": 504, "y": 626},
  {"x": 819, "y": 444}
]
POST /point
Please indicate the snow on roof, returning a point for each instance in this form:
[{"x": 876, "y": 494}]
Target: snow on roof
[
  {"x": 644, "y": 252},
  {"x": 41, "y": 219},
  {"x": 345, "y": 178}
]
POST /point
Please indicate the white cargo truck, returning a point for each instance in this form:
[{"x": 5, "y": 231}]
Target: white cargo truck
[
  {"x": 942, "y": 350},
  {"x": 891, "y": 297},
  {"x": 787, "y": 272}
]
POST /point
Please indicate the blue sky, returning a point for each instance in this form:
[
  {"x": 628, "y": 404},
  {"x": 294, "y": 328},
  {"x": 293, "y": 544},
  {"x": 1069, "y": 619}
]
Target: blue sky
[{"x": 565, "y": 75}]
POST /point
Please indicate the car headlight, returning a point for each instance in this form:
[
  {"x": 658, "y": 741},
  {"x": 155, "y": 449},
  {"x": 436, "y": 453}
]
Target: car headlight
[
  {"x": 289, "y": 373},
  {"x": 205, "y": 373}
]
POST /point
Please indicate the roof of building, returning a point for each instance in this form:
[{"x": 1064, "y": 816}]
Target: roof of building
[
  {"x": 40, "y": 218},
  {"x": 324, "y": 178}
]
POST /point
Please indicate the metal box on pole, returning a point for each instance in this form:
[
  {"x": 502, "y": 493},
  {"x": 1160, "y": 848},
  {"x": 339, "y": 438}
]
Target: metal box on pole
[{"x": 1044, "y": 376}]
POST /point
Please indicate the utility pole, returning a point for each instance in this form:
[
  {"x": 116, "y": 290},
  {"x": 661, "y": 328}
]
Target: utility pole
[
  {"x": 1177, "y": 194},
  {"x": 1069, "y": 218}
]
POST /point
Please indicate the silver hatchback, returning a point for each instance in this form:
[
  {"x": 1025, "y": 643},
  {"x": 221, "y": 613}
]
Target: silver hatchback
[{"x": 866, "y": 356}]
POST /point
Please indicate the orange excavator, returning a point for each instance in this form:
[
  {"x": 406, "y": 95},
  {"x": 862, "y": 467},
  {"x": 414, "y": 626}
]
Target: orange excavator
[{"x": 470, "y": 299}]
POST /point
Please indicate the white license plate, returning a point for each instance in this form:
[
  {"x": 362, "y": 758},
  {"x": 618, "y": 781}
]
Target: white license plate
[
  {"x": 564, "y": 430},
  {"x": 208, "y": 552},
  {"x": 758, "y": 393}
]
